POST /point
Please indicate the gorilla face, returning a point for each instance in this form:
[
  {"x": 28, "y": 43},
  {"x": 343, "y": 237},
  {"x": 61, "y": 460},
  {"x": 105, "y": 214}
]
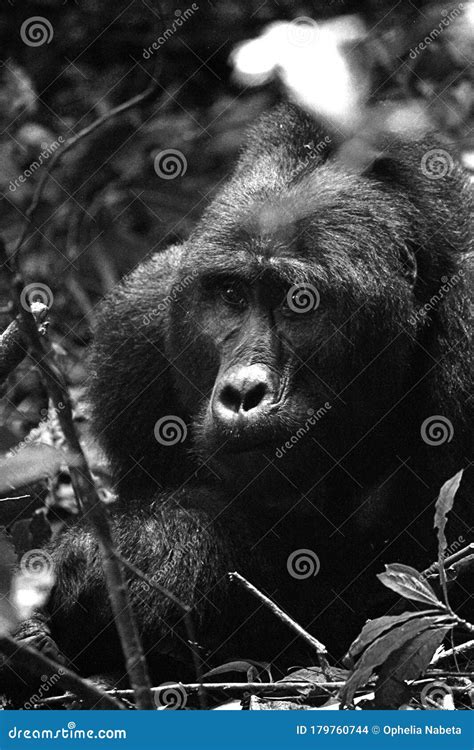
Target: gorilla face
[
  {"x": 258, "y": 337},
  {"x": 282, "y": 322}
]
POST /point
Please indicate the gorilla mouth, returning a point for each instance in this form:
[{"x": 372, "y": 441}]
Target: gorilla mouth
[
  {"x": 241, "y": 446},
  {"x": 236, "y": 443}
]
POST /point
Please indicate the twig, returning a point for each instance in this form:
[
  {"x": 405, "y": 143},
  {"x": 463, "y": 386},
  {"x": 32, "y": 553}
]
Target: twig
[
  {"x": 81, "y": 479},
  {"x": 81, "y": 297},
  {"x": 14, "y": 342},
  {"x": 433, "y": 570},
  {"x": 86, "y": 494},
  {"x": 461, "y": 649},
  {"x": 186, "y": 610},
  {"x": 319, "y": 647},
  {"x": 443, "y": 580},
  {"x": 69, "y": 144},
  {"x": 18, "y": 497},
  {"x": 34, "y": 663},
  {"x": 232, "y": 689}
]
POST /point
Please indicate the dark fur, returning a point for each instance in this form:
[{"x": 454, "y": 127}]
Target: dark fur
[{"x": 376, "y": 247}]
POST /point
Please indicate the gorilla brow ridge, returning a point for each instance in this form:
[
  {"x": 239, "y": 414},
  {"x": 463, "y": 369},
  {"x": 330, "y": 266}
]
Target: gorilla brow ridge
[{"x": 246, "y": 268}]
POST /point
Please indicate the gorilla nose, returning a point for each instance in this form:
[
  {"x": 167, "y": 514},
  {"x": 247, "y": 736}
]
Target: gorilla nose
[{"x": 243, "y": 393}]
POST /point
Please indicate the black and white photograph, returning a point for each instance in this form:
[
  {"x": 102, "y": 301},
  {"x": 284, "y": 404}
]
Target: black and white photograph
[{"x": 236, "y": 366}]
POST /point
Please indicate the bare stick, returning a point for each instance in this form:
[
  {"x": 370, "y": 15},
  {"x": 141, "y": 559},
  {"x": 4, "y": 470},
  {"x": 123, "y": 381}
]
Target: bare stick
[
  {"x": 34, "y": 663},
  {"x": 232, "y": 689},
  {"x": 186, "y": 610},
  {"x": 319, "y": 647},
  {"x": 87, "y": 496},
  {"x": 461, "y": 649},
  {"x": 449, "y": 561},
  {"x": 81, "y": 478}
]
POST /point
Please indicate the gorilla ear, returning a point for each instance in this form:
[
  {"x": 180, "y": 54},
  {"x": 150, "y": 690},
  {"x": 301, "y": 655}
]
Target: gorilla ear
[
  {"x": 384, "y": 167},
  {"x": 363, "y": 158}
]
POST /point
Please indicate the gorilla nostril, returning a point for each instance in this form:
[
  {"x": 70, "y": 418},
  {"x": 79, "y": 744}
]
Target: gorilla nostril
[
  {"x": 254, "y": 396},
  {"x": 230, "y": 397},
  {"x": 244, "y": 399}
]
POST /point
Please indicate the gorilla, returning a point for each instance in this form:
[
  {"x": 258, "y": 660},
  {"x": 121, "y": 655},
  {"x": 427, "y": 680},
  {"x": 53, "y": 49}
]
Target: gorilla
[{"x": 283, "y": 394}]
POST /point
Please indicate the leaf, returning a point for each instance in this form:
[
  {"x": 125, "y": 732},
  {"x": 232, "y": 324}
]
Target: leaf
[
  {"x": 377, "y": 653},
  {"x": 407, "y": 663},
  {"x": 232, "y": 705},
  {"x": 314, "y": 675},
  {"x": 29, "y": 465},
  {"x": 247, "y": 666},
  {"x": 444, "y": 504},
  {"x": 410, "y": 584},
  {"x": 373, "y": 629}
]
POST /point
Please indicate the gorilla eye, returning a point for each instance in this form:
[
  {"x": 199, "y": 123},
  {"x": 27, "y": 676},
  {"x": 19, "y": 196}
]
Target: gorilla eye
[{"x": 234, "y": 295}]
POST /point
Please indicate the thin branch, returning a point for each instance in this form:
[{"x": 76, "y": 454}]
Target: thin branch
[
  {"x": 69, "y": 144},
  {"x": 461, "y": 649},
  {"x": 153, "y": 584},
  {"x": 319, "y": 647},
  {"x": 34, "y": 663},
  {"x": 232, "y": 689},
  {"x": 186, "y": 610},
  {"x": 82, "y": 482},
  {"x": 433, "y": 570},
  {"x": 87, "y": 496},
  {"x": 81, "y": 479}
]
